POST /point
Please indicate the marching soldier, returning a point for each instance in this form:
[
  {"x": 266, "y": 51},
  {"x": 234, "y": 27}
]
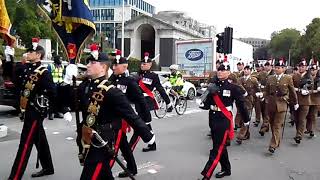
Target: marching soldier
[
  {"x": 262, "y": 78},
  {"x": 315, "y": 98},
  {"x": 250, "y": 84},
  {"x": 131, "y": 89},
  {"x": 37, "y": 89},
  {"x": 303, "y": 85},
  {"x": 103, "y": 108},
  {"x": 219, "y": 102},
  {"x": 240, "y": 67},
  {"x": 278, "y": 93},
  {"x": 257, "y": 101},
  {"x": 148, "y": 81}
]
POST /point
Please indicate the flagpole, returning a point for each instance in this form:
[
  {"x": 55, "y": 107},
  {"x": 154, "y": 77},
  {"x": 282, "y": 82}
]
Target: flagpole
[{"x": 122, "y": 30}]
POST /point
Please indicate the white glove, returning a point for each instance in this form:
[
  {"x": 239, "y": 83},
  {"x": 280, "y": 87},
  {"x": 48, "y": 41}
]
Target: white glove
[
  {"x": 245, "y": 94},
  {"x": 67, "y": 116},
  {"x": 304, "y": 92},
  {"x": 199, "y": 102},
  {"x": 318, "y": 88},
  {"x": 262, "y": 86},
  {"x": 296, "y": 89},
  {"x": 247, "y": 123},
  {"x": 259, "y": 95},
  {"x": 296, "y": 107}
]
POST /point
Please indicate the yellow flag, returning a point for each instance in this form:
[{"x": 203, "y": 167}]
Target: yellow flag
[{"x": 5, "y": 25}]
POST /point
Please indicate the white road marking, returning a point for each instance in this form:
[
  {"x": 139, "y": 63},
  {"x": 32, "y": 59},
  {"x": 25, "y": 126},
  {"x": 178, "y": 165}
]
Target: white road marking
[
  {"x": 152, "y": 171},
  {"x": 56, "y": 132}
]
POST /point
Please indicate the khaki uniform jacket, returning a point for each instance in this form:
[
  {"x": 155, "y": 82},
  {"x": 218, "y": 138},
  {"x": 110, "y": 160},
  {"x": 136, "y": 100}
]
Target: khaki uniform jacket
[
  {"x": 303, "y": 100},
  {"x": 278, "y": 92},
  {"x": 251, "y": 86},
  {"x": 315, "y": 95}
]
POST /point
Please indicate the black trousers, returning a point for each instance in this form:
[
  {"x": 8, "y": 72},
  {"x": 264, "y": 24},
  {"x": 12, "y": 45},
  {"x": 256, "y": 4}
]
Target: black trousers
[
  {"x": 135, "y": 138},
  {"x": 122, "y": 144},
  {"x": 32, "y": 134},
  {"x": 96, "y": 171},
  {"x": 219, "y": 126}
]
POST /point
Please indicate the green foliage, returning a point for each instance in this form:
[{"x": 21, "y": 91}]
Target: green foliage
[{"x": 282, "y": 41}]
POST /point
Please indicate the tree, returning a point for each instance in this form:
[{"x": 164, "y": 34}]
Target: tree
[{"x": 283, "y": 41}]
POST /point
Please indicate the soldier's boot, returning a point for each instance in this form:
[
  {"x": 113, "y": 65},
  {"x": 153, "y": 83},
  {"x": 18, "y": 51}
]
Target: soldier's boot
[
  {"x": 297, "y": 139},
  {"x": 43, "y": 172},
  {"x": 263, "y": 130},
  {"x": 50, "y": 116},
  {"x": 256, "y": 123},
  {"x": 222, "y": 174},
  {"x": 312, "y": 134},
  {"x": 151, "y": 147},
  {"x": 271, "y": 149},
  {"x": 124, "y": 174},
  {"x": 239, "y": 141}
]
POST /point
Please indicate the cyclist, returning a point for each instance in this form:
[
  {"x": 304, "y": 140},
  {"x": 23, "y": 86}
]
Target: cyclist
[{"x": 176, "y": 80}]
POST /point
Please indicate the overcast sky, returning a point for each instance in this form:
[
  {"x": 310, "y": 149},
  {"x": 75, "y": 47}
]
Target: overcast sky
[{"x": 249, "y": 18}]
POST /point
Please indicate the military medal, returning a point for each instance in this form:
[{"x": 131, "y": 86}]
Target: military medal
[
  {"x": 26, "y": 93},
  {"x": 90, "y": 120}
]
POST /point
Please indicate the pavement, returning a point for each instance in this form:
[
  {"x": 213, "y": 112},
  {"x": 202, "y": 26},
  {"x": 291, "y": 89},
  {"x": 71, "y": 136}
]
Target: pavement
[{"x": 182, "y": 151}]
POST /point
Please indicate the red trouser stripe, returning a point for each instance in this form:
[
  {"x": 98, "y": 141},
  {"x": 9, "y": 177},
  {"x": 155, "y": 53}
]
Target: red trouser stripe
[
  {"x": 26, "y": 146},
  {"x": 97, "y": 172},
  {"x": 116, "y": 147},
  {"x": 135, "y": 144},
  {"x": 216, "y": 160}
]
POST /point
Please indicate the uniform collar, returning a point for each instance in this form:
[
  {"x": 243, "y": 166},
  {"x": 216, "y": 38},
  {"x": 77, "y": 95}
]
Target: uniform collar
[{"x": 36, "y": 64}]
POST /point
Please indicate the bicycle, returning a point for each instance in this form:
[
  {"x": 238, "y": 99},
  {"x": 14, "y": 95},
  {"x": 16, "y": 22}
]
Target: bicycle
[{"x": 179, "y": 102}]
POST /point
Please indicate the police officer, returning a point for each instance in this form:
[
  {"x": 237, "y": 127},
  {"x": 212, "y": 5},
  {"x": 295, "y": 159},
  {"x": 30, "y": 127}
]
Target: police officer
[
  {"x": 148, "y": 81},
  {"x": 103, "y": 107},
  {"x": 131, "y": 89},
  {"x": 57, "y": 70},
  {"x": 279, "y": 92},
  {"x": 36, "y": 90},
  {"x": 219, "y": 102}
]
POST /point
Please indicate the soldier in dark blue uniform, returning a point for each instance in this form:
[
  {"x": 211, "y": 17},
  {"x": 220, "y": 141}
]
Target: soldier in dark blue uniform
[
  {"x": 36, "y": 92},
  {"x": 148, "y": 81},
  {"x": 103, "y": 107},
  {"x": 219, "y": 101},
  {"x": 131, "y": 89}
]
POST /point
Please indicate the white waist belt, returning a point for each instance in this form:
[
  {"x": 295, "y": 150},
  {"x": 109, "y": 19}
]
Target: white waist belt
[{"x": 216, "y": 108}]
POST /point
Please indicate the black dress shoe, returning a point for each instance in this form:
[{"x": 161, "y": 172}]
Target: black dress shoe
[
  {"x": 271, "y": 149},
  {"x": 58, "y": 115},
  {"x": 124, "y": 174},
  {"x": 261, "y": 133},
  {"x": 43, "y": 172},
  {"x": 50, "y": 117},
  {"x": 311, "y": 134},
  {"x": 256, "y": 123},
  {"x": 297, "y": 139},
  {"x": 151, "y": 147},
  {"x": 222, "y": 174},
  {"x": 169, "y": 109},
  {"x": 239, "y": 141}
]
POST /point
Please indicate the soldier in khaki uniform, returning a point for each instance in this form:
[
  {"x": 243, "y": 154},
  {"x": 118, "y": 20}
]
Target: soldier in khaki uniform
[
  {"x": 257, "y": 101},
  {"x": 302, "y": 88},
  {"x": 262, "y": 78},
  {"x": 239, "y": 73},
  {"x": 279, "y": 88},
  {"x": 250, "y": 84},
  {"x": 314, "y": 97}
]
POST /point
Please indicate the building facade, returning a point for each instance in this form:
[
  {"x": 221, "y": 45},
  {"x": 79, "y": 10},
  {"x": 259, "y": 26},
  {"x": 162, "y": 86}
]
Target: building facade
[
  {"x": 255, "y": 42},
  {"x": 107, "y": 15},
  {"x": 158, "y": 34}
]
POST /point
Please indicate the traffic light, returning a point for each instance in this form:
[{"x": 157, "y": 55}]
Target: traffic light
[
  {"x": 227, "y": 44},
  {"x": 220, "y": 42}
]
